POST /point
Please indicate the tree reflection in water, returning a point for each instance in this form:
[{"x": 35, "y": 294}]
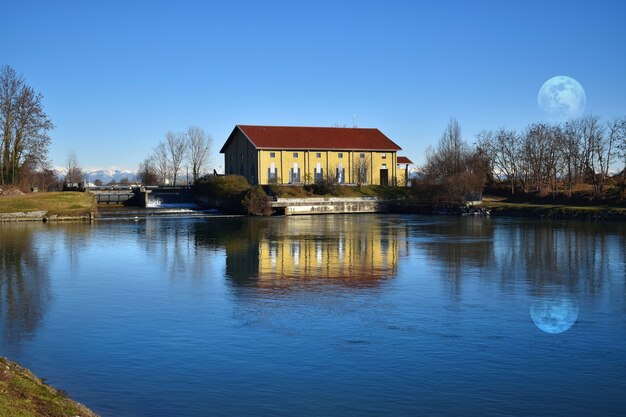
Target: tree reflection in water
[
  {"x": 24, "y": 281},
  {"x": 554, "y": 260}
]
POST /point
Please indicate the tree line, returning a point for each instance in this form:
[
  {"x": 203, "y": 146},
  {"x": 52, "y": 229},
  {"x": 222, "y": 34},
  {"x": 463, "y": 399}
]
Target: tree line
[
  {"x": 190, "y": 149},
  {"x": 24, "y": 128},
  {"x": 543, "y": 158}
]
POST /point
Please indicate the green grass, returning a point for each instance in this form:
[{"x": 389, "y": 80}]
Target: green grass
[
  {"x": 532, "y": 206},
  {"x": 379, "y": 191},
  {"x": 555, "y": 210},
  {"x": 22, "y": 394},
  {"x": 55, "y": 203}
]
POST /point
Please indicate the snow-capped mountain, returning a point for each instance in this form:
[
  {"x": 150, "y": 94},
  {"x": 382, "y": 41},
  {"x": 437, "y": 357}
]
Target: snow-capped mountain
[
  {"x": 108, "y": 175},
  {"x": 104, "y": 175}
]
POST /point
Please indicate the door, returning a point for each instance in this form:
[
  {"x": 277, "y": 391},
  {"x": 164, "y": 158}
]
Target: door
[{"x": 384, "y": 177}]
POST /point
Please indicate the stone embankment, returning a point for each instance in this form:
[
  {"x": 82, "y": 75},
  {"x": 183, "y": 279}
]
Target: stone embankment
[
  {"x": 41, "y": 215},
  {"x": 330, "y": 205}
]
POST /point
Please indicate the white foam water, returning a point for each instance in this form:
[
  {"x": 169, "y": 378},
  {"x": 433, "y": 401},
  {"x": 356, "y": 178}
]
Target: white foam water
[{"x": 157, "y": 203}]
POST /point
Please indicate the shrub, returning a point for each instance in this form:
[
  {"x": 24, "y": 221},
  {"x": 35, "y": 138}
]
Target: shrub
[
  {"x": 257, "y": 202},
  {"x": 222, "y": 186},
  {"x": 326, "y": 186}
]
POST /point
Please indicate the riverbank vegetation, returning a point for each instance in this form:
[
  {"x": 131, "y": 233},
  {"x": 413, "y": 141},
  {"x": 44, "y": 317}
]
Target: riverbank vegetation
[
  {"x": 582, "y": 161},
  {"x": 62, "y": 204},
  {"x": 24, "y": 139},
  {"x": 234, "y": 194},
  {"x": 22, "y": 394},
  {"x": 189, "y": 149},
  {"x": 502, "y": 207}
]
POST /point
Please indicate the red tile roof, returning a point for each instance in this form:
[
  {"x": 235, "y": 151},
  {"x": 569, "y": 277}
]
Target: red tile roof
[
  {"x": 404, "y": 160},
  {"x": 288, "y": 137}
]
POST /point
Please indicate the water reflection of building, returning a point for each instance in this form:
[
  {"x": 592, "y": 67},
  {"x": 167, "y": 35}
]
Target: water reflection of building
[
  {"x": 353, "y": 250},
  {"x": 342, "y": 248}
]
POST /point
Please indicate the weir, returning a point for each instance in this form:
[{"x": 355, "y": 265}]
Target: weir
[
  {"x": 148, "y": 202},
  {"x": 330, "y": 205}
]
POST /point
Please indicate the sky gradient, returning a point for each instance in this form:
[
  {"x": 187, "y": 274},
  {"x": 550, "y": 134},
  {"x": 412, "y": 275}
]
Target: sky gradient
[{"x": 117, "y": 75}]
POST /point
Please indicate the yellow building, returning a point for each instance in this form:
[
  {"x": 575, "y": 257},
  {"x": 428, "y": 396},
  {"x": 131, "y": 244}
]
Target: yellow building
[
  {"x": 303, "y": 155},
  {"x": 403, "y": 170}
]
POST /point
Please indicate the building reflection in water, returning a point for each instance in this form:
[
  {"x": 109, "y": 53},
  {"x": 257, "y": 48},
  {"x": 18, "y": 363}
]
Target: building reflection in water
[{"x": 284, "y": 252}]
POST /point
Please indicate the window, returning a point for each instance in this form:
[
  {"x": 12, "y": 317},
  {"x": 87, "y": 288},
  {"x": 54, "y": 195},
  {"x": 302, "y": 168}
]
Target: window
[
  {"x": 362, "y": 155},
  {"x": 318, "y": 155},
  {"x": 294, "y": 173},
  {"x": 384, "y": 156},
  {"x": 339, "y": 155},
  {"x": 272, "y": 174},
  {"x": 340, "y": 174},
  {"x": 362, "y": 174},
  {"x": 272, "y": 154},
  {"x": 295, "y": 154},
  {"x": 319, "y": 172}
]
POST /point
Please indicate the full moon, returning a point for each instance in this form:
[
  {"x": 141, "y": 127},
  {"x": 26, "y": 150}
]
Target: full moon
[
  {"x": 562, "y": 98},
  {"x": 554, "y": 314}
]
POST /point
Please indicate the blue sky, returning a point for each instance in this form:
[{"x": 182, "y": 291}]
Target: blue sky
[{"x": 117, "y": 75}]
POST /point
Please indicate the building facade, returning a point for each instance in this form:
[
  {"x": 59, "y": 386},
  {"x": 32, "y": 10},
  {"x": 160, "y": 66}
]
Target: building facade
[
  {"x": 304, "y": 155},
  {"x": 403, "y": 171}
]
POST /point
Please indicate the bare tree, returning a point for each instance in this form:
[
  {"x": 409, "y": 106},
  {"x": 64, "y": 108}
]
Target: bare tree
[
  {"x": 451, "y": 149},
  {"x": 23, "y": 125},
  {"x": 452, "y": 169},
  {"x": 74, "y": 173},
  {"x": 542, "y": 156},
  {"x": 572, "y": 154},
  {"x": 161, "y": 163},
  {"x": 147, "y": 173},
  {"x": 199, "y": 145},
  {"x": 176, "y": 147},
  {"x": 593, "y": 152},
  {"x": 502, "y": 148},
  {"x": 361, "y": 169}
]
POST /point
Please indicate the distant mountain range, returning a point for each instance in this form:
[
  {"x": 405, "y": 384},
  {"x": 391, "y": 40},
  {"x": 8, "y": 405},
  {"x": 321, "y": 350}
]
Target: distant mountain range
[{"x": 104, "y": 175}]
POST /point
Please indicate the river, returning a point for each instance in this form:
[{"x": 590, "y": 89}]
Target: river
[{"x": 362, "y": 315}]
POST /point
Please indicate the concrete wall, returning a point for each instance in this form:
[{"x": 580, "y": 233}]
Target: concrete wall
[{"x": 331, "y": 205}]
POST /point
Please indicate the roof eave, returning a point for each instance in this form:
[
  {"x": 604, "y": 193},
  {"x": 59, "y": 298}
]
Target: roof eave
[
  {"x": 223, "y": 150},
  {"x": 274, "y": 148}
]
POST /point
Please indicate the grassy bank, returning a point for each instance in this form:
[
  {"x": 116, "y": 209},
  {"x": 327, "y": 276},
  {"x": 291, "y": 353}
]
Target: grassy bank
[
  {"x": 22, "y": 394},
  {"x": 61, "y": 204},
  {"x": 307, "y": 191},
  {"x": 498, "y": 207}
]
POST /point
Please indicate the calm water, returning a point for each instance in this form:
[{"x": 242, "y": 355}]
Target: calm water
[{"x": 332, "y": 315}]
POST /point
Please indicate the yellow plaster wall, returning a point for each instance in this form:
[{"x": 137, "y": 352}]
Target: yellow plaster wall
[
  {"x": 256, "y": 163},
  {"x": 329, "y": 161}
]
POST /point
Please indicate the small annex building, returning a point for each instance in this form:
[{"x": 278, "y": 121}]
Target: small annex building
[
  {"x": 403, "y": 170},
  {"x": 303, "y": 155}
]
